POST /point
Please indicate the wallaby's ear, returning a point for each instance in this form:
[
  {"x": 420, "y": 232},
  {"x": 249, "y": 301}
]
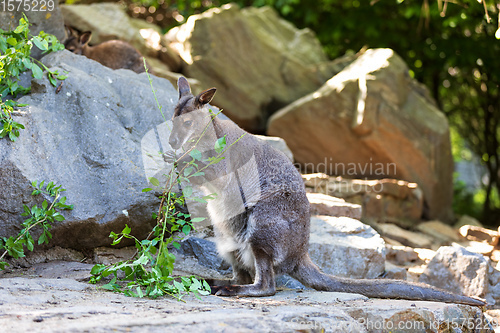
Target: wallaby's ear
[
  {"x": 183, "y": 86},
  {"x": 206, "y": 96},
  {"x": 69, "y": 31},
  {"x": 85, "y": 37}
]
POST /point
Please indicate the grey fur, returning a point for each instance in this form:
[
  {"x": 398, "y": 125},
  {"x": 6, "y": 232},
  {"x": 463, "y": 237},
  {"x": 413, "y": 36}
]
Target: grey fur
[{"x": 270, "y": 235}]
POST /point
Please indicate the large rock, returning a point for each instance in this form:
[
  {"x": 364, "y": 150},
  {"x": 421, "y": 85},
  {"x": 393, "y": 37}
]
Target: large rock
[
  {"x": 384, "y": 200},
  {"x": 50, "y": 21},
  {"x": 455, "y": 269},
  {"x": 406, "y": 237},
  {"x": 372, "y": 120},
  {"x": 322, "y": 204},
  {"x": 88, "y": 139},
  {"x": 258, "y": 61},
  {"x": 346, "y": 247}
]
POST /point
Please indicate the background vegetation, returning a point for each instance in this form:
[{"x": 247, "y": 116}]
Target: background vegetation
[{"x": 451, "y": 46}]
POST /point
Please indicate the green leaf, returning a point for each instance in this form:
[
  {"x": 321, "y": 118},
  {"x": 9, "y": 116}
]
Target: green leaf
[
  {"x": 139, "y": 292},
  {"x": 97, "y": 269},
  {"x": 197, "y": 174},
  {"x": 126, "y": 230},
  {"x": 198, "y": 219},
  {"x": 14, "y": 249},
  {"x": 187, "y": 191},
  {"x": 188, "y": 171},
  {"x": 186, "y": 229},
  {"x": 37, "y": 72},
  {"x": 154, "y": 181},
  {"x": 27, "y": 63},
  {"x": 43, "y": 239},
  {"x": 29, "y": 242},
  {"x": 42, "y": 44},
  {"x": 52, "y": 80},
  {"x": 195, "y": 154},
  {"x": 143, "y": 260},
  {"x": 58, "y": 217},
  {"x": 12, "y": 41},
  {"x": 220, "y": 145},
  {"x": 26, "y": 210},
  {"x": 116, "y": 240}
]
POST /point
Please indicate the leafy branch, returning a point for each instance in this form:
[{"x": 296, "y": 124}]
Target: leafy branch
[
  {"x": 15, "y": 58},
  {"x": 42, "y": 216}
]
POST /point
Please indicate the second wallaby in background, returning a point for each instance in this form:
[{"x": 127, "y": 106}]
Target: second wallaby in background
[
  {"x": 114, "y": 54},
  {"x": 261, "y": 215}
]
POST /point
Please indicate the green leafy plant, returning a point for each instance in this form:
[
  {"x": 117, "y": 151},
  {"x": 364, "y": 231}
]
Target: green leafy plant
[
  {"x": 15, "y": 58},
  {"x": 42, "y": 217},
  {"x": 7, "y": 125},
  {"x": 149, "y": 271}
]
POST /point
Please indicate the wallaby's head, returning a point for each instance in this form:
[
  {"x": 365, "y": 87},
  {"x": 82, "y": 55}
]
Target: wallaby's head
[
  {"x": 76, "y": 43},
  {"x": 191, "y": 114}
]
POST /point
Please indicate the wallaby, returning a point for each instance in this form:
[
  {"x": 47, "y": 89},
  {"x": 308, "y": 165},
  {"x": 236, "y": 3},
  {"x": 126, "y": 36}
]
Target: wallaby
[
  {"x": 261, "y": 217},
  {"x": 114, "y": 54}
]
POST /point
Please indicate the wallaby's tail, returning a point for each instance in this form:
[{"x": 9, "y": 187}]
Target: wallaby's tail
[{"x": 310, "y": 275}]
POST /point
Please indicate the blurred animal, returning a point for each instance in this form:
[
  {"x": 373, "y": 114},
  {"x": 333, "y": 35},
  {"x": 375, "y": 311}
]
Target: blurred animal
[
  {"x": 114, "y": 54},
  {"x": 261, "y": 215}
]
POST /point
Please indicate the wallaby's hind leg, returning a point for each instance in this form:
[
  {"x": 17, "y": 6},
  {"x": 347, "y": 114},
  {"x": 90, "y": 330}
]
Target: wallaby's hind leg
[
  {"x": 264, "y": 284},
  {"x": 240, "y": 276}
]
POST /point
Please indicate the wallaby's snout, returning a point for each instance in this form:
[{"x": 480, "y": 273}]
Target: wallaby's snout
[{"x": 174, "y": 142}]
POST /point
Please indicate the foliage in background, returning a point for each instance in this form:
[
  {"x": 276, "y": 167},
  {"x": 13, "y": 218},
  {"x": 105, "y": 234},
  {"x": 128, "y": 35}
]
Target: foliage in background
[
  {"x": 42, "y": 217},
  {"x": 451, "y": 46},
  {"x": 15, "y": 58}
]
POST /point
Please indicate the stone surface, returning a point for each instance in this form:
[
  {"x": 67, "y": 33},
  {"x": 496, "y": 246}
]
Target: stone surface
[
  {"x": 205, "y": 252},
  {"x": 372, "y": 120},
  {"x": 384, "y": 200},
  {"x": 480, "y": 234},
  {"x": 401, "y": 255},
  {"x": 440, "y": 231},
  {"x": 88, "y": 139},
  {"x": 111, "y": 255},
  {"x": 467, "y": 220},
  {"x": 322, "y": 204},
  {"x": 257, "y": 61},
  {"x": 277, "y": 143},
  {"x": 406, "y": 237},
  {"x": 65, "y": 305},
  {"x": 455, "y": 269},
  {"x": 479, "y": 247},
  {"x": 346, "y": 247},
  {"x": 50, "y": 21},
  {"x": 109, "y": 21},
  {"x": 394, "y": 272}
]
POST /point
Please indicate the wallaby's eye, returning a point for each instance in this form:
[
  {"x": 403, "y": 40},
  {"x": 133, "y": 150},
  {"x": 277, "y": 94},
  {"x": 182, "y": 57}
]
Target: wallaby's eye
[{"x": 188, "y": 123}]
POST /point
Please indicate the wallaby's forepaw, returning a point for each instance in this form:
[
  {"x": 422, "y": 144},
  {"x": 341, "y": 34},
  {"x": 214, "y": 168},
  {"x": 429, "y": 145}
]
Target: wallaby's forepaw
[
  {"x": 224, "y": 290},
  {"x": 169, "y": 156}
]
